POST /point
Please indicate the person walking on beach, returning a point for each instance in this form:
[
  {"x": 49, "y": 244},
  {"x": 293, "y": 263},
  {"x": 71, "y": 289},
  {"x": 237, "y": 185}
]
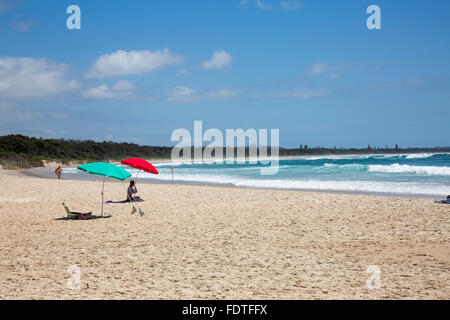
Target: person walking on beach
[
  {"x": 132, "y": 190},
  {"x": 59, "y": 172}
]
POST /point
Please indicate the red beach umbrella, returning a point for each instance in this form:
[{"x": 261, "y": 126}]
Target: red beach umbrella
[{"x": 140, "y": 164}]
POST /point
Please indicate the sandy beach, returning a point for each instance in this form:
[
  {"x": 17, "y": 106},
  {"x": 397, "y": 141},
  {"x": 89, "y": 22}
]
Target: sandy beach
[{"x": 209, "y": 242}]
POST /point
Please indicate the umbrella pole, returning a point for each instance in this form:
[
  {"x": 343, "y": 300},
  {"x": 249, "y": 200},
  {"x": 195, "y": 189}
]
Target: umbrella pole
[{"x": 103, "y": 188}]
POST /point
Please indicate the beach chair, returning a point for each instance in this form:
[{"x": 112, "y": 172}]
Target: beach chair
[{"x": 77, "y": 215}]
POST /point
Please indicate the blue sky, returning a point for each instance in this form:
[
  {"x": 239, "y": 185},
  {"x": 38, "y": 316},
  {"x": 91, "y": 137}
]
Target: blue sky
[{"x": 137, "y": 70}]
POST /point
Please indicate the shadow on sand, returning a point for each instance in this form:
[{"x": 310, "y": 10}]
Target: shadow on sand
[{"x": 92, "y": 218}]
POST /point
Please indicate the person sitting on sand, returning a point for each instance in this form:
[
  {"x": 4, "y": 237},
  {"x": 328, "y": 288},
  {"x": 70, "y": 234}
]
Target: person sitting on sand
[
  {"x": 444, "y": 201},
  {"x": 131, "y": 191},
  {"x": 59, "y": 172}
]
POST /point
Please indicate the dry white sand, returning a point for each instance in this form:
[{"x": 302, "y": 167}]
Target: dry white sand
[{"x": 198, "y": 242}]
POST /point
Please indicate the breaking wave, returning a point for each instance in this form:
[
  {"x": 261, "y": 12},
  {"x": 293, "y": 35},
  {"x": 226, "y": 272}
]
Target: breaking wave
[{"x": 404, "y": 168}]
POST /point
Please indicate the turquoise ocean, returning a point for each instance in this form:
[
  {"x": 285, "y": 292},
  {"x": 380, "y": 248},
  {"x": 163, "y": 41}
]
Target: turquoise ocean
[{"x": 424, "y": 174}]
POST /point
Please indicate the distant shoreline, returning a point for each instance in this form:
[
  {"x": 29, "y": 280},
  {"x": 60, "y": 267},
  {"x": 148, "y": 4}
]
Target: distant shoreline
[
  {"x": 21, "y": 152},
  {"x": 164, "y": 160},
  {"x": 54, "y": 164}
]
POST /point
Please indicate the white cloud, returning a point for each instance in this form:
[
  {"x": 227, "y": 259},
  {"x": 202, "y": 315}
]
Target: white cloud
[
  {"x": 304, "y": 93},
  {"x": 7, "y": 6},
  {"x": 183, "y": 72},
  {"x": 110, "y": 137},
  {"x": 414, "y": 81},
  {"x": 319, "y": 68},
  {"x": 182, "y": 94},
  {"x": 185, "y": 94},
  {"x": 243, "y": 3},
  {"x": 120, "y": 90},
  {"x": 33, "y": 78},
  {"x": 222, "y": 93},
  {"x": 121, "y": 63},
  {"x": 219, "y": 60},
  {"x": 123, "y": 90},
  {"x": 100, "y": 92},
  {"x": 22, "y": 25},
  {"x": 262, "y": 5},
  {"x": 25, "y": 116},
  {"x": 49, "y": 132},
  {"x": 4, "y": 105},
  {"x": 123, "y": 85},
  {"x": 333, "y": 75},
  {"x": 290, "y": 5},
  {"x": 42, "y": 132}
]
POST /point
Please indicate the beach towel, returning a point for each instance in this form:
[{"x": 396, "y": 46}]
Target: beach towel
[
  {"x": 137, "y": 199},
  {"x": 443, "y": 202}
]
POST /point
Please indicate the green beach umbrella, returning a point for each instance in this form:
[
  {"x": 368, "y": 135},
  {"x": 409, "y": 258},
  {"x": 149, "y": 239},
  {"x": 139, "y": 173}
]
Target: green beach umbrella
[{"x": 105, "y": 169}]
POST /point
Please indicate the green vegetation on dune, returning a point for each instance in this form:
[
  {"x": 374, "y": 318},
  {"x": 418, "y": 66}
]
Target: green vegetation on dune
[{"x": 18, "y": 151}]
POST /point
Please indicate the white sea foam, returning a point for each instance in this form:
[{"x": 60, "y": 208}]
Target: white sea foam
[
  {"x": 350, "y": 186},
  {"x": 218, "y": 161},
  {"x": 350, "y": 166},
  {"x": 337, "y": 157},
  {"x": 404, "y": 168},
  {"x": 385, "y": 156},
  {"x": 169, "y": 164},
  {"x": 411, "y": 155},
  {"x": 308, "y": 176},
  {"x": 419, "y": 155}
]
